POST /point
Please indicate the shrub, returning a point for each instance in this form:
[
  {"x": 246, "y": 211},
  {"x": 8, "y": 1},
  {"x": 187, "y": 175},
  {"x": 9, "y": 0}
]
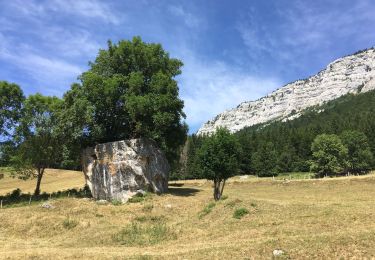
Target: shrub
[{"x": 240, "y": 212}]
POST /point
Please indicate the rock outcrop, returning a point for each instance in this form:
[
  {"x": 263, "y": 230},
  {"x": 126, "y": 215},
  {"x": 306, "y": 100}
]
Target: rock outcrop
[
  {"x": 119, "y": 170},
  {"x": 350, "y": 74}
]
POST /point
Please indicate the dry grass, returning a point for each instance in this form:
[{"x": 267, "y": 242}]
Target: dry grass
[
  {"x": 53, "y": 180},
  {"x": 329, "y": 218}
]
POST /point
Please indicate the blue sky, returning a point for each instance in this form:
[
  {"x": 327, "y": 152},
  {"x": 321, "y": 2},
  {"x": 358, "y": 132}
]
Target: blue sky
[{"x": 233, "y": 51}]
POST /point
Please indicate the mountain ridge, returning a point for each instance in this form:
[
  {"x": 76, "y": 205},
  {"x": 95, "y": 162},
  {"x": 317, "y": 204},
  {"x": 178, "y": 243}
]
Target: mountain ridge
[{"x": 353, "y": 73}]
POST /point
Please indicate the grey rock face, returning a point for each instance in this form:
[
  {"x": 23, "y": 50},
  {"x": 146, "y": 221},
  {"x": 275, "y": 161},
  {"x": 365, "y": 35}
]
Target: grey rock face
[
  {"x": 119, "y": 170},
  {"x": 351, "y": 74}
]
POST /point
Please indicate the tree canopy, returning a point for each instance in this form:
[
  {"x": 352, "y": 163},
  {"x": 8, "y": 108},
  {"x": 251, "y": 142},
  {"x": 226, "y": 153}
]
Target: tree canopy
[
  {"x": 38, "y": 137},
  {"x": 129, "y": 91},
  {"x": 360, "y": 156},
  {"x": 218, "y": 159},
  {"x": 11, "y": 100},
  {"x": 329, "y": 155}
]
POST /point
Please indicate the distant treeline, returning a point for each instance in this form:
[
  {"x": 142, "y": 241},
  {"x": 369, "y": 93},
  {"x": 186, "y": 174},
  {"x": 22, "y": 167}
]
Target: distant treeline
[{"x": 268, "y": 149}]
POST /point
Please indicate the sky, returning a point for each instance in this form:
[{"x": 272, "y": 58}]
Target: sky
[{"x": 233, "y": 50}]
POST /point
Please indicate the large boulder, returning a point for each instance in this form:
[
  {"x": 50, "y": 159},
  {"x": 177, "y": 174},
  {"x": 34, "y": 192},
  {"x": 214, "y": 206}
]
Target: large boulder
[{"x": 119, "y": 170}]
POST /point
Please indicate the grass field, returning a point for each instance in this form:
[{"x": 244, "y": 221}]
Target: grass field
[
  {"x": 325, "y": 218},
  {"x": 53, "y": 180}
]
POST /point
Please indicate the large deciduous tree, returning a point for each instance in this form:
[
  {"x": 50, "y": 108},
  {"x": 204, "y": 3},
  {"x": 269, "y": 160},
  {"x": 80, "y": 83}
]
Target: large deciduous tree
[
  {"x": 129, "y": 91},
  {"x": 39, "y": 138},
  {"x": 218, "y": 159},
  {"x": 329, "y": 155},
  {"x": 360, "y": 156}
]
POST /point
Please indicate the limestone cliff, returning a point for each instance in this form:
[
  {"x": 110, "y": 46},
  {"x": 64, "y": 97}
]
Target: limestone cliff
[{"x": 350, "y": 74}]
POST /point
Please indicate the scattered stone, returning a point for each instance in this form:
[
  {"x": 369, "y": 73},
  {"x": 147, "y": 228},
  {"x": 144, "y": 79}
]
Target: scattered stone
[
  {"x": 140, "y": 193},
  {"x": 101, "y": 202},
  {"x": 122, "y": 169},
  {"x": 47, "y": 205},
  {"x": 242, "y": 177},
  {"x": 168, "y": 206},
  {"x": 278, "y": 252}
]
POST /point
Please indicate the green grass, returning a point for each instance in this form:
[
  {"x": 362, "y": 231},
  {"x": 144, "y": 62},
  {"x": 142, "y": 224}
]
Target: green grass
[
  {"x": 207, "y": 209},
  {"x": 144, "y": 231},
  {"x": 116, "y": 202},
  {"x": 240, "y": 212}
]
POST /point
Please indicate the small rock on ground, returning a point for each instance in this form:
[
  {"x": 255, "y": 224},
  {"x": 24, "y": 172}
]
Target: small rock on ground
[
  {"x": 47, "y": 205},
  {"x": 278, "y": 252}
]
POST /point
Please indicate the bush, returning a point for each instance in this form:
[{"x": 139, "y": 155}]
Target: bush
[{"x": 240, "y": 212}]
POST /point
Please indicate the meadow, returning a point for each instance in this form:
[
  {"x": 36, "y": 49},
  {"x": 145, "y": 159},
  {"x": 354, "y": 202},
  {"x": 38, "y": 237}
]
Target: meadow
[{"x": 306, "y": 218}]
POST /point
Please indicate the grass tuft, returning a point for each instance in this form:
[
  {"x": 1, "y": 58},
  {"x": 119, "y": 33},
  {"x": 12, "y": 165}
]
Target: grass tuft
[
  {"x": 144, "y": 234},
  {"x": 240, "y": 212},
  {"x": 116, "y": 202},
  {"x": 224, "y": 197},
  {"x": 70, "y": 223},
  {"x": 207, "y": 210}
]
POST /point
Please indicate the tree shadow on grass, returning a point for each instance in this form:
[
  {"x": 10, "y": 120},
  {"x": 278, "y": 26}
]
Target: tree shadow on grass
[{"x": 184, "y": 192}]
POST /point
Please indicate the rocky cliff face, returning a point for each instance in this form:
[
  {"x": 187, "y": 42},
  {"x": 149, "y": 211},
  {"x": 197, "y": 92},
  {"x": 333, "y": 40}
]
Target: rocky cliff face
[
  {"x": 350, "y": 74},
  {"x": 119, "y": 170}
]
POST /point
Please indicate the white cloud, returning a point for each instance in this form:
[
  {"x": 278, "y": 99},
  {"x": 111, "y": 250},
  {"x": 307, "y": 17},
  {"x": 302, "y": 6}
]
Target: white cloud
[
  {"x": 83, "y": 8},
  {"x": 208, "y": 88},
  {"x": 70, "y": 43},
  {"x": 305, "y": 27},
  {"x": 57, "y": 72},
  {"x": 189, "y": 19}
]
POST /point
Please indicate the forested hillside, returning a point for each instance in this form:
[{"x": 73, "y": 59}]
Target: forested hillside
[{"x": 286, "y": 146}]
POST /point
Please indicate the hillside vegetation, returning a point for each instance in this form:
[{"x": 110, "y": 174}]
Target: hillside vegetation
[
  {"x": 278, "y": 146},
  {"x": 324, "y": 218},
  {"x": 291, "y": 141}
]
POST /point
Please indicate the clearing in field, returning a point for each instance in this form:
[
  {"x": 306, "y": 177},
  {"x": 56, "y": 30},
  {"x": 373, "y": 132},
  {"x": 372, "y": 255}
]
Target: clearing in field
[{"x": 324, "y": 218}]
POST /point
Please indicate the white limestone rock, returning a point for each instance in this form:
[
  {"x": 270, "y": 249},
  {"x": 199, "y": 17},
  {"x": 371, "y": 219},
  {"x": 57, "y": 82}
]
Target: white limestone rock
[
  {"x": 122, "y": 169},
  {"x": 350, "y": 74}
]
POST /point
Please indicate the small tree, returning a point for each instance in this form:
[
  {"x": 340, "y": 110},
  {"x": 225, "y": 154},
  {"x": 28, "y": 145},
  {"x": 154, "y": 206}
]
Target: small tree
[
  {"x": 218, "y": 159},
  {"x": 360, "y": 156},
  {"x": 39, "y": 142},
  {"x": 329, "y": 155}
]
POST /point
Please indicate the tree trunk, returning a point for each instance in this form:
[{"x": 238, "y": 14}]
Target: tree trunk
[
  {"x": 222, "y": 188},
  {"x": 217, "y": 190},
  {"x": 38, "y": 181}
]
